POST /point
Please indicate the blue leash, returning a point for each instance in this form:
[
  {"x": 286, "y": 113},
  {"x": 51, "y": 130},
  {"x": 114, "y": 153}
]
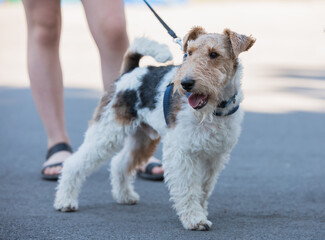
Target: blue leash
[{"x": 177, "y": 39}]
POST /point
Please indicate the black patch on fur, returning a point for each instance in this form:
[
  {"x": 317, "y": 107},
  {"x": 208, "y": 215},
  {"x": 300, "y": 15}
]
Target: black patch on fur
[
  {"x": 149, "y": 86},
  {"x": 133, "y": 62},
  {"x": 127, "y": 100}
]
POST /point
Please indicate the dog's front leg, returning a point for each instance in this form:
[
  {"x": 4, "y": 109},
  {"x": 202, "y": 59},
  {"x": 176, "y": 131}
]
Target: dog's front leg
[
  {"x": 185, "y": 185},
  {"x": 210, "y": 176},
  {"x": 101, "y": 143}
]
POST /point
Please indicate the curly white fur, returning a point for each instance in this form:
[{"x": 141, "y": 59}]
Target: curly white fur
[{"x": 147, "y": 47}]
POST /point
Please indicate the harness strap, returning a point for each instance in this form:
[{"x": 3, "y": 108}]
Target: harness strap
[
  {"x": 225, "y": 104},
  {"x": 232, "y": 111},
  {"x": 166, "y": 101}
]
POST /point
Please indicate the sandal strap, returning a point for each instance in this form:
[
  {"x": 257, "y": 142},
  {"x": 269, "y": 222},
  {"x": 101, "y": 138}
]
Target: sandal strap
[
  {"x": 151, "y": 165},
  {"x": 52, "y": 165},
  {"x": 58, "y": 148}
]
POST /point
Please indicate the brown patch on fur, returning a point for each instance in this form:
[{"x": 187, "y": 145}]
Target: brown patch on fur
[
  {"x": 144, "y": 148},
  {"x": 239, "y": 42},
  {"x": 124, "y": 107},
  {"x": 104, "y": 101},
  {"x": 193, "y": 34},
  {"x": 121, "y": 115}
]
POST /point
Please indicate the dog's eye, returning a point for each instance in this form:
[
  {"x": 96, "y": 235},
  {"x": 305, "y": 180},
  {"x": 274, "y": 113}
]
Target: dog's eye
[
  {"x": 213, "y": 55},
  {"x": 189, "y": 53}
]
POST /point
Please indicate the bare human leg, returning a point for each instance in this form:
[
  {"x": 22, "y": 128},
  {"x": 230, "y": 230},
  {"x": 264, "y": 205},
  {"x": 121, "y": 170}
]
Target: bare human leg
[
  {"x": 44, "y": 27},
  {"x": 106, "y": 20}
]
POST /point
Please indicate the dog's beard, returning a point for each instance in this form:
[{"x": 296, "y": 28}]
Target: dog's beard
[{"x": 204, "y": 114}]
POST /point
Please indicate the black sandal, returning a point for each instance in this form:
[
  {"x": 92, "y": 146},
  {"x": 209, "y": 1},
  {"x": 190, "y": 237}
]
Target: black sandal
[
  {"x": 148, "y": 175},
  {"x": 56, "y": 148}
]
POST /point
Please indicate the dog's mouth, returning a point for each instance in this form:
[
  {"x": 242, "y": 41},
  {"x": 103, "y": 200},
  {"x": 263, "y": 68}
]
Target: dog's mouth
[{"x": 198, "y": 101}]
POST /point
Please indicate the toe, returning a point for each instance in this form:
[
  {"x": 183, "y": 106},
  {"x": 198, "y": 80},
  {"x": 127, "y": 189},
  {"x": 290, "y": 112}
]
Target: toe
[
  {"x": 157, "y": 170},
  {"x": 55, "y": 170},
  {"x": 52, "y": 170}
]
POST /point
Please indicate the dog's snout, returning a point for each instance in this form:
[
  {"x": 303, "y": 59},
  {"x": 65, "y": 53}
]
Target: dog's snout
[{"x": 188, "y": 84}]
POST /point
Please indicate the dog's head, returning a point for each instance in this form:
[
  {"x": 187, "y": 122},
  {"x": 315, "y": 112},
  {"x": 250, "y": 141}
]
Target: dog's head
[{"x": 210, "y": 64}]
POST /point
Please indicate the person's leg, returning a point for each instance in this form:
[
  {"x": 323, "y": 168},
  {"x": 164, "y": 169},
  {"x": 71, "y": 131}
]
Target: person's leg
[
  {"x": 106, "y": 20},
  {"x": 44, "y": 27}
]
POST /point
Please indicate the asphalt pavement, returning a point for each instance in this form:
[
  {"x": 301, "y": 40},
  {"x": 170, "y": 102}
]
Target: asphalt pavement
[{"x": 273, "y": 187}]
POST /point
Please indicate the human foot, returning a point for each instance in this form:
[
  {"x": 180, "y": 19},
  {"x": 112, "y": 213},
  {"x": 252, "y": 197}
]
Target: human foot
[
  {"x": 55, "y": 157},
  {"x": 152, "y": 170}
]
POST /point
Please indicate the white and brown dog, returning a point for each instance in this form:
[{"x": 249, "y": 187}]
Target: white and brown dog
[{"x": 202, "y": 115}]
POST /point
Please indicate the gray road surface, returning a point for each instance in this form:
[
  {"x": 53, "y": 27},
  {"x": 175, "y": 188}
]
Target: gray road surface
[{"x": 273, "y": 187}]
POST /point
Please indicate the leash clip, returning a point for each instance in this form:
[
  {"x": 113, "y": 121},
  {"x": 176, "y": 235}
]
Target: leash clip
[
  {"x": 234, "y": 101},
  {"x": 178, "y": 40}
]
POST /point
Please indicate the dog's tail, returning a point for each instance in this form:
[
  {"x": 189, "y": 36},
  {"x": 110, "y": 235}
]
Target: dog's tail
[{"x": 144, "y": 47}]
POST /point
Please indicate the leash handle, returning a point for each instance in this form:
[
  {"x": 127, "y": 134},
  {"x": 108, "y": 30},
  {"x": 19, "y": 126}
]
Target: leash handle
[{"x": 169, "y": 30}]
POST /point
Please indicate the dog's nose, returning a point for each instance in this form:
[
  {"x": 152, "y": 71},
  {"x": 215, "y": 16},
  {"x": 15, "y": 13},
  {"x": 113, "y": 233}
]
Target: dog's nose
[{"x": 188, "y": 84}]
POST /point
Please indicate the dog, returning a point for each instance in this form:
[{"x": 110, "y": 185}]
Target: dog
[{"x": 199, "y": 129}]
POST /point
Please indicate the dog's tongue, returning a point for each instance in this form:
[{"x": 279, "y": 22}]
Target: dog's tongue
[{"x": 195, "y": 99}]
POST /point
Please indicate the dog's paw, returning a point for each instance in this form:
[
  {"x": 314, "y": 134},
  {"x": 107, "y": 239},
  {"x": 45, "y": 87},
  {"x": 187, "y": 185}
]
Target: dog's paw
[
  {"x": 201, "y": 226},
  {"x": 65, "y": 205},
  {"x": 196, "y": 224},
  {"x": 67, "y": 209},
  {"x": 129, "y": 198}
]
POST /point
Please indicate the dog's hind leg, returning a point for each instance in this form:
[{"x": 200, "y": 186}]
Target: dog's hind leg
[
  {"x": 102, "y": 140},
  {"x": 138, "y": 148}
]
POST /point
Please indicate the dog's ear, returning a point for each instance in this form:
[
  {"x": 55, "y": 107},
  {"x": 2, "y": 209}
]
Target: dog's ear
[
  {"x": 193, "y": 34},
  {"x": 238, "y": 42}
]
